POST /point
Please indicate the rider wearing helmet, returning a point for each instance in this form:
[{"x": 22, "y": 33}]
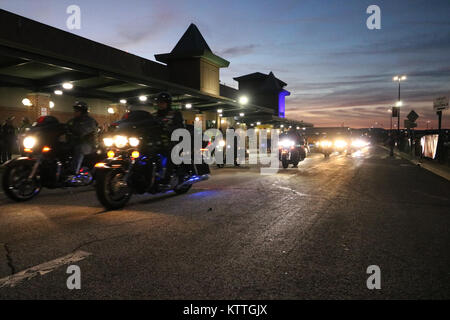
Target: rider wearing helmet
[
  {"x": 82, "y": 131},
  {"x": 171, "y": 120}
]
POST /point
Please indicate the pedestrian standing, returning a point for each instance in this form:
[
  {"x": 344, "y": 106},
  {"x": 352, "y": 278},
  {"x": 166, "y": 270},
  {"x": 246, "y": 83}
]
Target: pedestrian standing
[{"x": 9, "y": 139}]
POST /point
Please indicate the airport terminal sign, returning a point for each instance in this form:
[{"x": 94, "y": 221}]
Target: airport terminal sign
[{"x": 440, "y": 103}]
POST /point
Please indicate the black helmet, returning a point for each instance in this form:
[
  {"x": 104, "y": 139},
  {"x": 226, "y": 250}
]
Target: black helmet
[
  {"x": 164, "y": 97},
  {"x": 80, "y": 106}
]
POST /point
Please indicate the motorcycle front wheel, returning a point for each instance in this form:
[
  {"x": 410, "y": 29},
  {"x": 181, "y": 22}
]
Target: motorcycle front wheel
[
  {"x": 112, "y": 190},
  {"x": 284, "y": 162},
  {"x": 16, "y": 184}
]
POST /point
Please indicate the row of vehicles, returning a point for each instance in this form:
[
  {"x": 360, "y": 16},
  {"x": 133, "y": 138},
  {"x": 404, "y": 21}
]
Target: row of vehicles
[
  {"x": 129, "y": 162},
  {"x": 341, "y": 145}
]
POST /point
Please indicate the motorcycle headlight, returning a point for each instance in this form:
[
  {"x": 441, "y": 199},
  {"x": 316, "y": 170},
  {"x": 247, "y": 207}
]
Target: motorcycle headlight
[
  {"x": 29, "y": 142},
  {"x": 326, "y": 143},
  {"x": 108, "y": 142},
  {"x": 359, "y": 143},
  {"x": 340, "y": 144},
  {"x": 120, "y": 141},
  {"x": 134, "y": 142},
  {"x": 286, "y": 143}
]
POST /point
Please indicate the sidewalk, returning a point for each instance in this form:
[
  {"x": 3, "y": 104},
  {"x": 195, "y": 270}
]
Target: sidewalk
[{"x": 428, "y": 164}]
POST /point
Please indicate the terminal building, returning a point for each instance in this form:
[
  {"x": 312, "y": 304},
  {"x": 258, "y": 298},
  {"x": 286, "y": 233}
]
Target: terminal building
[{"x": 44, "y": 70}]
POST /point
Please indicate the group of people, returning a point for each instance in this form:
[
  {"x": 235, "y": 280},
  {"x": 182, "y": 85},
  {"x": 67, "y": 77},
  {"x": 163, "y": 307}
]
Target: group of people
[{"x": 82, "y": 131}]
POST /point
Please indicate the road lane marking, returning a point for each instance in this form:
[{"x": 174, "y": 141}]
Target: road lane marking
[{"x": 43, "y": 268}]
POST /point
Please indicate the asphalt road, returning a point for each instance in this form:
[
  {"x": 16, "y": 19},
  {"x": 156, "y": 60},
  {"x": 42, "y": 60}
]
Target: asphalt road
[{"x": 303, "y": 233}]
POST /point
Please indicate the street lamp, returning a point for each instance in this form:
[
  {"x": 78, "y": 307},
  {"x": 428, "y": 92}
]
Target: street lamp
[{"x": 399, "y": 78}]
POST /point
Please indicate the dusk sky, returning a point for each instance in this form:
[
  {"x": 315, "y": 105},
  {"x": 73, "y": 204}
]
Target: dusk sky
[{"x": 338, "y": 71}]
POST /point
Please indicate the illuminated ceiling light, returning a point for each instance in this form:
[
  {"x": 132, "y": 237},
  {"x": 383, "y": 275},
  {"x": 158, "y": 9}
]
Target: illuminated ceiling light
[
  {"x": 58, "y": 92},
  {"x": 290, "y": 127},
  {"x": 197, "y": 119},
  {"x": 27, "y": 102},
  {"x": 188, "y": 106},
  {"x": 143, "y": 98},
  {"x": 51, "y": 104},
  {"x": 243, "y": 100},
  {"x": 241, "y": 114},
  {"x": 220, "y": 115},
  {"x": 398, "y": 103},
  {"x": 282, "y": 126},
  {"x": 111, "y": 110},
  {"x": 123, "y": 101},
  {"x": 219, "y": 110},
  {"x": 252, "y": 124},
  {"x": 238, "y": 123},
  {"x": 258, "y": 123},
  {"x": 67, "y": 85},
  {"x": 214, "y": 121}
]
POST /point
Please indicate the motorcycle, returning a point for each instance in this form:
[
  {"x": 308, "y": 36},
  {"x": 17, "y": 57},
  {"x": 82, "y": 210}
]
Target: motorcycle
[
  {"x": 290, "y": 153},
  {"x": 325, "y": 147},
  {"x": 135, "y": 165},
  {"x": 45, "y": 162}
]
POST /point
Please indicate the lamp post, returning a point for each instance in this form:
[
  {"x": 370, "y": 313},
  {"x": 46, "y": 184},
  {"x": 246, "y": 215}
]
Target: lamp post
[{"x": 399, "y": 79}]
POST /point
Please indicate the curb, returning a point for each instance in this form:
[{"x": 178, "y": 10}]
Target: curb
[{"x": 437, "y": 171}]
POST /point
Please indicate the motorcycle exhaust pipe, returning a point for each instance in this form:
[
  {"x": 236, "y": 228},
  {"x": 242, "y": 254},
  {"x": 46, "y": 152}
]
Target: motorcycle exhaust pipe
[{"x": 194, "y": 179}]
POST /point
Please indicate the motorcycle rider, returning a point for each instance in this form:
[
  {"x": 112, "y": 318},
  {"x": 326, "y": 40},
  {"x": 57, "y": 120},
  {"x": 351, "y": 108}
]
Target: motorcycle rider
[
  {"x": 82, "y": 131},
  {"x": 171, "y": 120},
  {"x": 298, "y": 140}
]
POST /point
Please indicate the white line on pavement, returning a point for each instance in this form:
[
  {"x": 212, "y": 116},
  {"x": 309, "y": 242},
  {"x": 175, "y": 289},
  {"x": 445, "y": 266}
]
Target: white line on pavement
[{"x": 42, "y": 269}]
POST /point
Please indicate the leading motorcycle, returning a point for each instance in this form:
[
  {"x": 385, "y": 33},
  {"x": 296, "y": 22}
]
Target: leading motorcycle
[
  {"x": 290, "y": 152},
  {"x": 136, "y": 165}
]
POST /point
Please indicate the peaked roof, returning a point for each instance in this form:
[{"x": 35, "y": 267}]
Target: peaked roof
[
  {"x": 192, "y": 45},
  {"x": 271, "y": 83},
  {"x": 269, "y": 79}
]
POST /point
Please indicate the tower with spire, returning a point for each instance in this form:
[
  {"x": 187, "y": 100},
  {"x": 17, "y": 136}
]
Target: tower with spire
[{"x": 193, "y": 64}]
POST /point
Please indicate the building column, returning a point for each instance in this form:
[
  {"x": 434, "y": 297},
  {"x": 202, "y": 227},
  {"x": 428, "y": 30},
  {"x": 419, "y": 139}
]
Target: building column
[
  {"x": 40, "y": 105},
  {"x": 118, "y": 109}
]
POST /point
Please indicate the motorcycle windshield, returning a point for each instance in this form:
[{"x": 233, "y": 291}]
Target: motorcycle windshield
[{"x": 140, "y": 123}]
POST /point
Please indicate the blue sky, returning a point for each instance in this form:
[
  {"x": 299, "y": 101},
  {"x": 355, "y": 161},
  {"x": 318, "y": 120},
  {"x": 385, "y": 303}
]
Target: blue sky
[{"x": 337, "y": 70}]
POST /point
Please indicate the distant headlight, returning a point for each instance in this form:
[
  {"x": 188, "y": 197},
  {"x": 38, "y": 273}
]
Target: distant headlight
[
  {"x": 359, "y": 143},
  {"x": 134, "y": 142},
  {"x": 108, "y": 142},
  {"x": 326, "y": 143},
  {"x": 120, "y": 141},
  {"x": 287, "y": 143},
  {"x": 340, "y": 143},
  {"x": 29, "y": 142}
]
